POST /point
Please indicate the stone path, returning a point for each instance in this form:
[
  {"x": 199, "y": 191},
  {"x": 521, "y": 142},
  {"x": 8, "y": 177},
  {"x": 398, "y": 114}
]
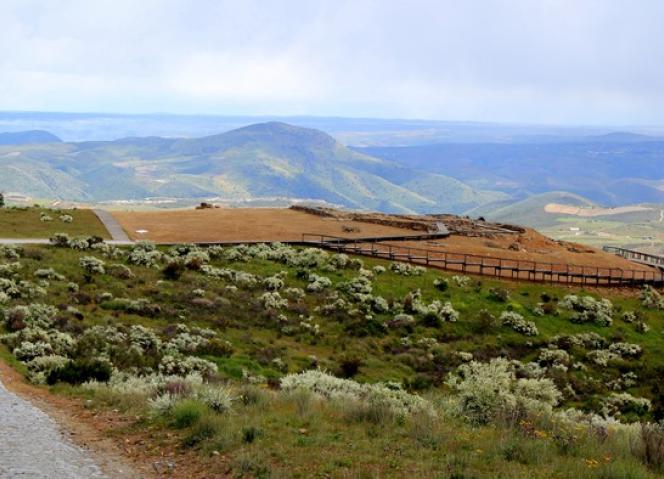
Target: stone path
[
  {"x": 33, "y": 446},
  {"x": 111, "y": 224}
]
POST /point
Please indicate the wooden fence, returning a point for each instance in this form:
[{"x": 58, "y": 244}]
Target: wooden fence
[
  {"x": 490, "y": 266},
  {"x": 637, "y": 256}
]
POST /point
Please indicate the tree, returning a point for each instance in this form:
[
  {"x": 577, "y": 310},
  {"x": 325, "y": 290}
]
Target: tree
[{"x": 2, "y": 199}]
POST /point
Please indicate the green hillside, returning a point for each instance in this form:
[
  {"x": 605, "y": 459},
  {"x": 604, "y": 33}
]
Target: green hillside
[
  {"x": 273, "y": 361},
  {"x": 638, "y": 227},
  {"x": 269, "y": 160}
]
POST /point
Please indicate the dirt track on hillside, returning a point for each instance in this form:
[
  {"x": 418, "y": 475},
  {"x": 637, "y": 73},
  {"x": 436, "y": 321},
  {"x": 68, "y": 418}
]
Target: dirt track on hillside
[{"x": 241, "y": 224}]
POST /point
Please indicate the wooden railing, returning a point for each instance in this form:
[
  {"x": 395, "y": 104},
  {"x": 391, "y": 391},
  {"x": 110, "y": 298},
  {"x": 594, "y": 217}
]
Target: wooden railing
[
  {"x": 636, "y": 256},
  {"x": 490, "y": 266}
]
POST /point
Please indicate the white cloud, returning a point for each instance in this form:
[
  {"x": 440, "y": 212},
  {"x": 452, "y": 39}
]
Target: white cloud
[{"x": 573, "y": 61}]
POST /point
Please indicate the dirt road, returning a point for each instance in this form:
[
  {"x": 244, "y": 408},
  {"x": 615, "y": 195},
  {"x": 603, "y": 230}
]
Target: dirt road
[{"x": 32, "y": 445}]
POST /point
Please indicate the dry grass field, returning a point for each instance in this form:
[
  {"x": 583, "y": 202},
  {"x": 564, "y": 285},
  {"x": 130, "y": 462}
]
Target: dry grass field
[
  {"x": 240, "y": 225},
  {"x": 281, "y": 224}
]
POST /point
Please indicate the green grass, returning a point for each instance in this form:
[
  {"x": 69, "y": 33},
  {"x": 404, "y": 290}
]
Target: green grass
[
  {"x": 271, "y": 434},
  {"x": 25, "y": 223},
  {"x": 282, "y": 438}
]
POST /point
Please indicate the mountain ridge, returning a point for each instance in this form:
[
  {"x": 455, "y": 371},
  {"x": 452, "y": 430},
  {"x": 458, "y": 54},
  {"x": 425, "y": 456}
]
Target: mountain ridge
[{"x": 272, "y": 159}]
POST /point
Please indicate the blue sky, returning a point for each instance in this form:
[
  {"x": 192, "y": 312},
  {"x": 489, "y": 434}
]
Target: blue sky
[{"x": 531, "y": 61}]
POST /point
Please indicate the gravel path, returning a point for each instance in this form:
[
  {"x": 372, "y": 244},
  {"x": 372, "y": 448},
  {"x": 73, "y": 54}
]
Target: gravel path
[{"x": 33, "y": 446}]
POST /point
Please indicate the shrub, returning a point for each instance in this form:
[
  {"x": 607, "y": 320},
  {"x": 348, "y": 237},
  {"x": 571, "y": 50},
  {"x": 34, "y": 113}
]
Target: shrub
[
  {"x": 207, "y": 427},
  {"x": 652, "y": 436},
  {"x": 587, "y": 309},
  {"x": 349, "y": 367},
  {"x": 330, "y": 388},
  {"x": 486, "y": 322},
  {"x": 80, "y": 371},
  {"x": 173, "y": 270},
  {"x": 499, "y": 294},
  {"x": 407, "y": 269},
  {"x": 273, "y": 301},
  {"x": 441, "y": 284},
  {"x": 489, "y": 391},
  {"x": 250, "y": 434},
  {"x": 187, "y": 413},
  {"x": 92, "y": 265},
  {"x": 651, "y": 298},
  {"x": 516, "y": 322},
  {"x": 217, "y": 398},
  {"x": 618, "y": 404},
  {"x": 318, "y": 283}
]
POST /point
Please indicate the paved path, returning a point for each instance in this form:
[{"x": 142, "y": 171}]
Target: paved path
[
  {"x": 112, "y": 225},
  {"x": 23, "y": 241},
  {"x": 33, "y": 446}
]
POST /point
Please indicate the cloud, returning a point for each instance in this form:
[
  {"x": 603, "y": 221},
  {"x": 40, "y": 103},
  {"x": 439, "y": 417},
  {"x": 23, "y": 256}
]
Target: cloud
[{"x": 567, "y": 61}]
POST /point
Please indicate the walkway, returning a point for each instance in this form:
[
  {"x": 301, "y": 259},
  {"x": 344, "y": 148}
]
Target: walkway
[
  {"x": 33, "y": 446},
  {"x": 111, "y": 224}
]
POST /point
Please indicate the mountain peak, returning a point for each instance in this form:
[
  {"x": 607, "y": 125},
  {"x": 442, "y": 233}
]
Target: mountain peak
[
  {"x": 285, "y": 132},
  {"x": 28, "y": 137}
]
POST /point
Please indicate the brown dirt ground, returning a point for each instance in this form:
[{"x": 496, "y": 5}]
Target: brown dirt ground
[
  {"x": 281, "y": 224},
  {"x": 121, "y": 450},
  {"x": 534, "y": 247},
  {"x": 241, "y": 224}
]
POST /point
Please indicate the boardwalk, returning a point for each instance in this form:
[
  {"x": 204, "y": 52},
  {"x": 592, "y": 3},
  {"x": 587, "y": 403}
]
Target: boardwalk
[
  {"x": 637, "y": 256},
  {"x": 492, "y": 266}
]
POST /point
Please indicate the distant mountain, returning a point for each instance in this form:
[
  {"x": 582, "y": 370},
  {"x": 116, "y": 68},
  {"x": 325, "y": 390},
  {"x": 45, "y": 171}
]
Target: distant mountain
[
  {"x": 349, "y": 131},
  {"x": 531, "y": 211},
  {"x": 31, "y": 137},
  {"x": 614, "y": 169},
  {"x": 264, "y": 160}
]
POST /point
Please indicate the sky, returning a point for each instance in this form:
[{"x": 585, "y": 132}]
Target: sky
[{"x": 574, "y": 62}]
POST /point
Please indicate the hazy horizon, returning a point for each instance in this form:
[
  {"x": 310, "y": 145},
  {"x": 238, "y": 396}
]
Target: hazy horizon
[{"x": 515, "y": 62}]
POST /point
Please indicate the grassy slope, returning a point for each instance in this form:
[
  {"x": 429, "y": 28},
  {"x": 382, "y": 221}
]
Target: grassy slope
[
  {"x": 298, "y": 440},
  {"x": 18, "y": 223}
]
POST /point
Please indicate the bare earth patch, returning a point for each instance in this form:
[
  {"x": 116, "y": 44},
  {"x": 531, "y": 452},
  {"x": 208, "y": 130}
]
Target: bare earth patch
[
  {"x": 242, "y": 224},
  {"x": 594, "y": 211}
]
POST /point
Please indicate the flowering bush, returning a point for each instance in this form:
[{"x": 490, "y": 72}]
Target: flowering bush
[
  {"x": 462, "y": 281},
  {"x": 34, "y": 315},
  {"x": 407, "y": 269},
  {"x": 587, "y": 309},
  {"x": 218, "y": 398},
  {"x": 626, "y": 349},
  {"x": 48, "y": 273},
  {"x": 273, "y": 301},
  {"x": 618, "y": 404},
  {"x": 185, "y": 365},
  {"x": 92, "y": 265},
  {"x": 318, "y": 283},
  {"x": 651, "y": 298},
  {"x": 550, "y": 357},
  {"x": 145, "y": 254},
  {"x": 275, "y": 282},
  {"x": 516, "y": 322},
  {"x": 331, "y": 388},
  {"x": 10, "y": 251},
  {"x": 436, "y": 312},
  {"x": 487, "y": 391}
]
